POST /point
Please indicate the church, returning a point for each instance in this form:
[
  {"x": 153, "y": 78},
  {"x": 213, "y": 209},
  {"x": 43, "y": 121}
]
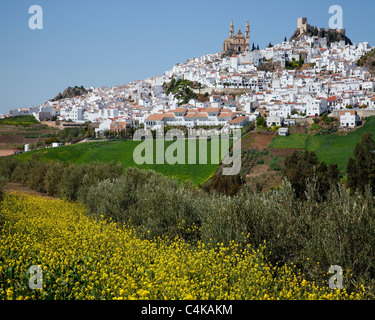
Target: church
[{"x": 237, "y": 44}]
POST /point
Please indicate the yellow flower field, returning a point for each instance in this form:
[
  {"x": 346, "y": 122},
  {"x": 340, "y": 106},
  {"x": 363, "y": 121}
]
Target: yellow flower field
[{"x": 84, "y": 258}]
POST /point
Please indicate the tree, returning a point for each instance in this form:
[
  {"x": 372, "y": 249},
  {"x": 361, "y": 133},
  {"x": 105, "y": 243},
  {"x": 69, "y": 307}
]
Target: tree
[
  {"x": 300, "y": 167},
  {"x": 285, "y": 40},
  {"x": 253, "y": 47},
  {"x": 270, "y": 45},
  {"x": 261, "y": 122},
  {"x": 361, "y": 168}
]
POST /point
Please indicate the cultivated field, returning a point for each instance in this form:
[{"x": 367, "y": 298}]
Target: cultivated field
[
  {"x": 18, "y": 131},
  {"x": 122, "y": 151},
  {"x": 332, "y": 148}
]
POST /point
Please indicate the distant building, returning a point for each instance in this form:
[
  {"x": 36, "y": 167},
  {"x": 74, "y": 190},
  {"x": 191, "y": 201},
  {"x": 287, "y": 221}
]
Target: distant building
[
  {"x": 9, "y": 152},
  {"x": 349, "y": 119},
  {"x": 275, "y": 121},
  {"x": 289, "y": 122},
  {"x": 238, "y": 123},
  {"x": 238, "y": 43},
  {"x": 284, "y": 132},
  {"x": 56, "y": 144}
]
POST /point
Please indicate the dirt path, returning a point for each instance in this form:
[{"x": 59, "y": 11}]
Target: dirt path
[{"x": 12, "y": 187}]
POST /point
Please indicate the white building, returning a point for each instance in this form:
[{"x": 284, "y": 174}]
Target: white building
[
  {"x": 348, "y": 119},
  {"x": 274, "y": 121}
]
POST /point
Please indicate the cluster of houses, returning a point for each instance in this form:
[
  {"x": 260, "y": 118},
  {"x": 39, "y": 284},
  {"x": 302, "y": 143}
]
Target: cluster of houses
[{"x": 331, "y": 82}]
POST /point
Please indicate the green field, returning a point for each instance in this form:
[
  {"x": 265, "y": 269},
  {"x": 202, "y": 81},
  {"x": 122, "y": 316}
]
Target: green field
[
  {"x": 122, "y": 151},
  {"x": 19, "y": 121},
  {"x": 332, "y": 149}
]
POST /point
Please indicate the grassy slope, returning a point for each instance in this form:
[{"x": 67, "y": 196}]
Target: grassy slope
[
  {"x": 122, "y": 151},
  {"x": 329, "y": 148},
  {"x": 19, "y": 121}
]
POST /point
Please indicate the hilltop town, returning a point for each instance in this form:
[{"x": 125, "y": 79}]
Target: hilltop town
[{"x": 306, "y": 77}]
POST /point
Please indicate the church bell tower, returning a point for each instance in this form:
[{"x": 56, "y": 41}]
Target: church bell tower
[{"x": 231, "y": 30}]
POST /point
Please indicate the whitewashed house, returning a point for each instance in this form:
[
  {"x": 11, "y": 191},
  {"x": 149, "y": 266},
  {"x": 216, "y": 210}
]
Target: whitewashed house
[
  {"x": 274, "y": 121},
  {"x": 348, "y": 119},
  {"x": 317, "y": 107}
]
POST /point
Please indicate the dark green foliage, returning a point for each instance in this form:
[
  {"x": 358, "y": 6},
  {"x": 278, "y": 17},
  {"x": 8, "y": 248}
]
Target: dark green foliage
[
  {"x": 148, "y": 201},
  {"x": 182, "y": 89},
  {"x": 301, "y": 167},
  {"x": 231, "y": 185},
  {"x": 65, "y": 180},
  {"x": 361, "y": 168},
  {"x": 21, "y": 172},
  {"x": 54, "y": 172},
  {"x": 248, "y": 127},
  {"x": 228, "y": 185},
  {"x": 96, "y": 172},
  {"x": 261, "y": 122},
  {"x": 293, "y": 65},
  {"x": 36, "y": 175},
  {"x": 7, "y": 166},
  {"x": 274, "y": 165},
  {"x": 3, "y": 182}
]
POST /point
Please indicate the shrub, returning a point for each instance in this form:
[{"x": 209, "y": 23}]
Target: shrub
[
  {"x": 70, "y": 181},
  {"x": 360, "y": 168},
  {"x": 146, "y": 200},
  {"x": 37, "y": 172},
  {"x": 7, "y": 166},
  {"x": 300, "y": 167},
  {"x": 261, "y": 122},
  {"x": 53, "y": 176},
  {"x": 96, "y": 172},
  {"x": 2, "y": 186}
]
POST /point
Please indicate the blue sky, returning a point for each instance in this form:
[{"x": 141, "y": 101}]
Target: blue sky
[{"x": 109, "y": 42}]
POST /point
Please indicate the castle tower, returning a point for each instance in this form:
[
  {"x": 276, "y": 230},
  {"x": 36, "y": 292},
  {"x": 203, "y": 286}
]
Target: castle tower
[
  {"x": 302, "y": 24},
  {"x": 232, "y": 30},
  {"x": 247, "y": 35}
]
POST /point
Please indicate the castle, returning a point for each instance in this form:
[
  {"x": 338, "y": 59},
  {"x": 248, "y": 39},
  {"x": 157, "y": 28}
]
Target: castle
[
  {"x": 238, "y": 43},
  {"x": 304, "y": 28}
]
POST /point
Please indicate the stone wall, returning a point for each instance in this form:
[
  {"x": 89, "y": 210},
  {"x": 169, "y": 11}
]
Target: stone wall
[{"x": 363, "y": 113}]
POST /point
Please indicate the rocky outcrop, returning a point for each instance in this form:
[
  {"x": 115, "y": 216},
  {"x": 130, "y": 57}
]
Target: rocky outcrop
[
  {"x": 332, "y": 35},
  {"x": 368, "y": 61},
  {"x": 70, "y": 93}
]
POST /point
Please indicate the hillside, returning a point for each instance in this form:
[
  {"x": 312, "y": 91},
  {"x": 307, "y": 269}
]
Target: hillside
[
  {"x": 332, "y": 35},
  {"x": 368, "y": 61},
  {"x": 332, "y": 148},
  {"x": 70, "y": 93},
  {"x": 17, "y": 131}
]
